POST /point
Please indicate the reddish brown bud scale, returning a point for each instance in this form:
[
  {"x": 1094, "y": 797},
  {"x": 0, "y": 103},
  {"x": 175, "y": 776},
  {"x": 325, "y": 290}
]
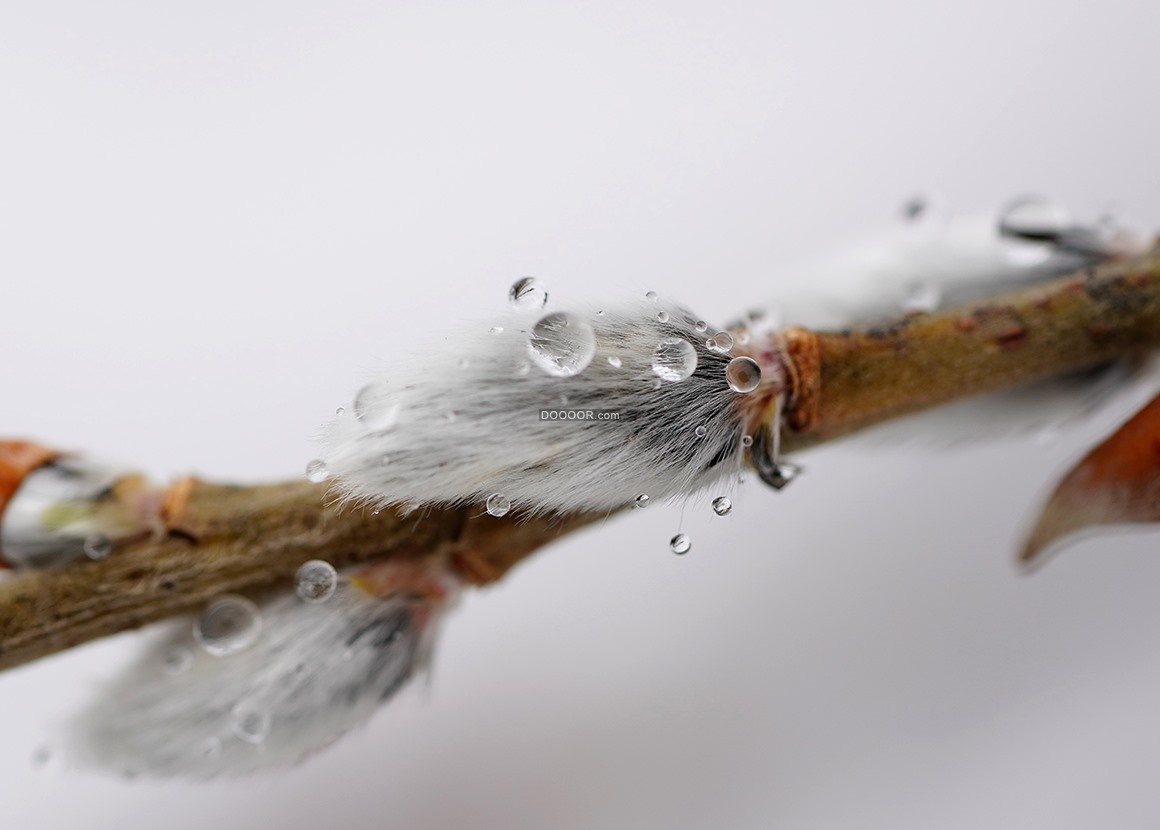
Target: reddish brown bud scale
[{"x": 17, "y": 460}]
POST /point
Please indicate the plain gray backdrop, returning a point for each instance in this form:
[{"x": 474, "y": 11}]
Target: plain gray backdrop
[{"x": 217, "y": 218}]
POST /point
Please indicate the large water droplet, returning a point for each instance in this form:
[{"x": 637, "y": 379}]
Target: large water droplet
[
  {"x": 250, "y": 722},
  {"x": 674, "y": 359},
  {"x": 1030, "y": 226},
  {"x": 562, "y": 344},
  {"x": 722, "y": 506},
  {"x": 681, "y": 543},
  {"x": 527, "y": 293},
  {"x": 316, "y": 581},
  {"x": 498, "y": 504},
  {"x": 229, "y": 625},
  {"x": 722, "y": 341},
  {"x": 743, "y": 374},
  {"x": 641, "y": 501},
  {"x": 373, "y": 407},
  {"x": 98, "y": 546},
  {"x": 317, "y": 471}
]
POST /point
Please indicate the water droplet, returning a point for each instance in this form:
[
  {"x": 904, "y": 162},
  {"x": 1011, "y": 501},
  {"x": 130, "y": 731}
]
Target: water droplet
[
  {"x": 923, "y": 297},
  {"x": 701, "y": 326},
  {"x": 779, "y": 473},
  {"x": 614, "y": 361},
  {"x": 600, "y": 313},
  {"x": 700, "y": 431},
  {"x": 176, "y": 660},
  {"x": 317, "y": 471},
  {"x": 230, "y": 624},
  {"x": 250, "y": 722},
  {"x": 384, "y": 459},
  {"x": 743, "y": 374},
  {"x": 1031, "y": 225},
  {"x": 674, "y": 359},
  {"x": 523, "y": 369},
  {"x": 662, "y": 316},
  {"x": 722, "y": 341},
  {"x": 651, "y": 296},
  {"x": 340, "y": 411},
  {"x": 747, "y": 440},
  {"x": 562, "y": 344},
  {"x": 641, "y": 501},
  {"x": 316, "y": 581},
  {"x": 743, "y": 337},
  {"x": 209, "y": 748},
  {"x": 373, "y": 409},
  {"x": 498, "y": 504},
  {"x": 495, "y": 330},
  {"x": 722, "y": 506},
  {"x": 680, "y": 543},
  {"x": 527, "y": 293},
  {"x": 98, "y": 546}
]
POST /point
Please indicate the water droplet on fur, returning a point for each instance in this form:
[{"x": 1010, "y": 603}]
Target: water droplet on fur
[
  {"x": 722, "y": 341},
  {"x": 743, "y": 374},
  {"x": 700, "y": 431},
  {"x": 614, "y": 361},
  {"x": 526, "y": 293},
  {"x": 641, "y": 501},
  {"x": 680, "y": 544},
  {"x": 498, "y": 504},
  {"x": 373, "y": 409},
  {"x": 1030, "y": 226},
  {"x": 176, "y": 660},
  {"x": 316, "y": 581},
  {"x": 722, "y": 506},
  {"x": 747, "y": 440},
  {"x": 674, "y": 359},
  {"x": 562, "y": 344},
  {"x": 523, "y": 369},
  {"x": 662, "y": 316},
  {"x": 340, "y": 411},
  {"x": 98, "y": 546},
  {"x": 317, "y": 471},
  {"x": 651, "y": 296},
  {"x": 701, "y": 326},
  {"x": 229, "y": 625},
  {"x": 495, "y": 330},
  {"x": 250, "y": 722}
]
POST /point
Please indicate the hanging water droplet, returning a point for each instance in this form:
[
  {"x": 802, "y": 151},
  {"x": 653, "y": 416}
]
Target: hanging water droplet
[
  {"x": 1030, "y": 226},
  {"x": 662, "y": 316},
  {"x": 722, "y": 341},
  {"x": 98, "y": 546},
  {"x": 674, "y": 359},
  {"x": 498, "y": 504},
  {"x": 743, "y": 374},
  {"x": 562, "y": 344},
  {"x": 614, "y": 361},
  {"x": 700, "y": 431},
  {"x": 340, "y": 411},
  {"x": 527, "y": 293},
  {"x": 229, "y": 625},
  {"x": 495, "y": 330},
  {"x": 747, "y": 440},
  {"x": 923, "y": 297},
  {"x": 722, "y": 506},
  {"x": 316, "y": 581},
  {"x": 250, "y": 722},
  {"x": 373, "y": 408},
  {"x": 641, "y": 501},
  {"x": 176, "y": 660},
  {"x": 317, "y": 471},
  {"x": 680, "y": 543},
  {"x": 778, "y": 474},
  {"x": 701, "y": 326},
  {"x": 651, "y": 296}
]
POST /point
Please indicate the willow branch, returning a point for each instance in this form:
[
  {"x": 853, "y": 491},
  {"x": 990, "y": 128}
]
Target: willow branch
[{"x": 222, "y": 539}]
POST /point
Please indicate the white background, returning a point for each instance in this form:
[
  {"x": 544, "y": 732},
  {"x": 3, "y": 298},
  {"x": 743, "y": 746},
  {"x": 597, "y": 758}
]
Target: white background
[{"x": 217, "y": 217}]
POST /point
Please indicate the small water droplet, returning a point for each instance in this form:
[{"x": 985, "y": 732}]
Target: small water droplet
[
  {"x": 176, "y": 660},
  {"x": 1030, "y": 226},
  {"x": 98, "y": 546},
  {"x": 317, "y": 471},
  {"x": 743, "y": 374},
  {"x": 316, "y": 581},
  {"x": 747, "y": 440},
  {"x": 674, "y": 359},
  {"x": 562, "y": 344},
  {"x": 700, "y": 431},
  {"x": 701, "y": 326},
  {"x": 376, "y": 511},
  {"x": 209, "y": 748},
  {"x": 641, "y": 501},
  {"x": 722, "y": 341},
  {"x": 229, "y": 625},
  {"x": 250, "y": 722},
  {"x": 651, "y": 296},
  {"x": 662, "y": 316},
  {"x": 600, "y": 313},
  {"x": 527, "y": 293},
  {"x": 680, "y": 544},
  {"x": 614, "y": 361},
  {"x": 495, "y": 330},
  {"x": 722, "y": 506},
  {"x": 340, "y": 411},
  {"x": 498, "y": 504},
  {"x": 523, "y": 369}
]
